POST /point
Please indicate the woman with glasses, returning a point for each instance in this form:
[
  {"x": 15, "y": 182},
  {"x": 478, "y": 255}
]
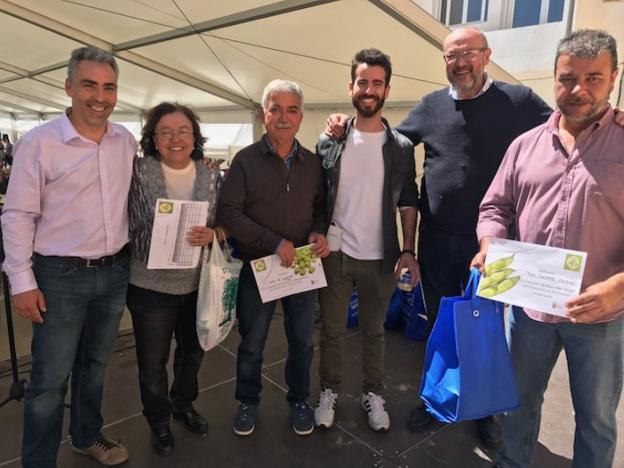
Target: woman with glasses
[{"x": 162, "y": 302}]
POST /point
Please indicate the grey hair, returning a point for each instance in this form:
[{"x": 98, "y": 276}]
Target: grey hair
[
  {"x": 281, "y": 86},
  {"x": 588, "y": 44},
  {"x": 92, "y": 54}
]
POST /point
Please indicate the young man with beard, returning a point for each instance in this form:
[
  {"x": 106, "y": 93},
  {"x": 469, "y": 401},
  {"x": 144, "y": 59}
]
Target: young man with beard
[
  {"x": 65, "y": 228},
  {"x": 368, "y": 174},
  {"x": 561, "y": 184}
]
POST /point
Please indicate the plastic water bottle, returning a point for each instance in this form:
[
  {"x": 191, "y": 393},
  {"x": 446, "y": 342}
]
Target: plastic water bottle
[{"x": 405, "y": 282}]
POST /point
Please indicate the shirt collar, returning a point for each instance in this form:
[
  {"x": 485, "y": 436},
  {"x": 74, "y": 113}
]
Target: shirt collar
[
  {"x": 69, "y": 132},
  {"x": 291, "y": 155},
  {"x": 455, "y": 95}
]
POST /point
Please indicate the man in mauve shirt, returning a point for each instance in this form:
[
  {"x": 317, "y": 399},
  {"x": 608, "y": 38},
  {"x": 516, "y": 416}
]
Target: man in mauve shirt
[
  {"x": 561, "y": 183},
  {"x": 65, "y": 227}
]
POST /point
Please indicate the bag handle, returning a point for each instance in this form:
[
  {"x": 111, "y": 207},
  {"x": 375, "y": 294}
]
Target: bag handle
[
  {"x": 216, "y": 253},
  {"x": 473, "y": 282}
]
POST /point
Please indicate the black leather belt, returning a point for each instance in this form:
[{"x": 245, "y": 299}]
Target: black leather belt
[{"x": 93, "y": 262}]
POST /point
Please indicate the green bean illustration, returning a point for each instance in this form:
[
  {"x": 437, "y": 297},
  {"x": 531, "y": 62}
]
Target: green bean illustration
[
  {"x": 304, "y": 258},
  {"x": 499, "y": 288},
  {"x": 494, "y": 278},
  {"x": 498, "y": 265}
]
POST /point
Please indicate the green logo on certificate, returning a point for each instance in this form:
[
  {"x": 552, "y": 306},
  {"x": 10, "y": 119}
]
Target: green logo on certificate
[
  {"x": 165, "y": 207},
  {"x": 259, "y": 265},
  {"x": 573, "y": 262}
]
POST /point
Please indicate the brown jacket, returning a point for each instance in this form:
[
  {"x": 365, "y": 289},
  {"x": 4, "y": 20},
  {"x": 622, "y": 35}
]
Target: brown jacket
[{"x": 263, "y": 202}]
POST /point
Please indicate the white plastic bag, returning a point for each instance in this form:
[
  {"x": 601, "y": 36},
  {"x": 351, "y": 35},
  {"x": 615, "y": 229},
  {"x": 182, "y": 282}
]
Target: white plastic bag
[{"x": 216, "y": 296}]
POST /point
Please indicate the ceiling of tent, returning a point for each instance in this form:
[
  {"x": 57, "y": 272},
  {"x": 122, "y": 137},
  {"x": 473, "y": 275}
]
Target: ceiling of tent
[{"x": 215, "y": 55}]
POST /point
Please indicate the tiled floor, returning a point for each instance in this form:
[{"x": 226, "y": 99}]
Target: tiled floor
[{"x": 350, "y": 443}]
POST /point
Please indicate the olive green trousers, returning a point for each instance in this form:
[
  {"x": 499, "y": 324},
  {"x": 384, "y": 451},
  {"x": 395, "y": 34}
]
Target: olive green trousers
[{"x": 374, "y": 291}]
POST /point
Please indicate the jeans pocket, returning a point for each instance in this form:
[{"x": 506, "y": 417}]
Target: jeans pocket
[
  {"x": 122, "y": 264},
  {"x": 51, "y": 266}
]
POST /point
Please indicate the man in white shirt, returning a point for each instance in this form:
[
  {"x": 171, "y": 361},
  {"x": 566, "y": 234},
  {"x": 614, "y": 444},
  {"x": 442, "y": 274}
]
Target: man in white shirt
[
  {"x": 65, "y": 230},
  {"x": 368, "y": 173}
]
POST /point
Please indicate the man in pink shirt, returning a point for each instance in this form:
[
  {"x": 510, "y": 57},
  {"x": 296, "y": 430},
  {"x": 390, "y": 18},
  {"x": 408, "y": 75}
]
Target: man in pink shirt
[
  {"x": 561, "y": 183},
  {"x": 65, "y": 228}
]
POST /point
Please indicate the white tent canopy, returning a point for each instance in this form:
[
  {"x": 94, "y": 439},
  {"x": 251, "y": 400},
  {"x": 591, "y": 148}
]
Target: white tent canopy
[{"x": 216, "y": 55}]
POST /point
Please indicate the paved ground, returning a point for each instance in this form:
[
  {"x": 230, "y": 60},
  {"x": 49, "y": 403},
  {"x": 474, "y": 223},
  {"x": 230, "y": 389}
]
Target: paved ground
[{"x": 350, "y": 443}]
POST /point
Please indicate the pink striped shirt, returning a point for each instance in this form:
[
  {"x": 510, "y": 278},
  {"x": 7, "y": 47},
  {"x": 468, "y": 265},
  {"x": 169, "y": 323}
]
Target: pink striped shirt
[
  {"x": 67, "y": 196},
  {"x": 572, "y": 201}
]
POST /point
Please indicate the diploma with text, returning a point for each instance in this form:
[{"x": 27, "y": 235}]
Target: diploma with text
[{"x": 533, "y": 276}]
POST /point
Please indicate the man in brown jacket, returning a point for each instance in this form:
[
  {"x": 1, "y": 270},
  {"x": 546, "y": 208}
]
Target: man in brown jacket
[{"x": 272, "y": 201}]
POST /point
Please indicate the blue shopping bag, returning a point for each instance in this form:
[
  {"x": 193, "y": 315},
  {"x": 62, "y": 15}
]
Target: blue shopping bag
[
  {"x": 468, "y": 372},
  {"x": 414, "y": 314},
  {"x": 394, "y": 313},
  {"x": 353, "y": 310}
]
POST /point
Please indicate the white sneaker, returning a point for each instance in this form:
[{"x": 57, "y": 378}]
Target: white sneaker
[
  {"x": 378, "y": 418},
  {"x": 325, "y": 411}
]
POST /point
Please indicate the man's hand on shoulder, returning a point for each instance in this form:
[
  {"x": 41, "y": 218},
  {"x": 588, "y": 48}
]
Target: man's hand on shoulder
[
  {"x": 618, "y": 116},
  {"x": 335, "y": 125},
  {"x": 30, "y": 305}
]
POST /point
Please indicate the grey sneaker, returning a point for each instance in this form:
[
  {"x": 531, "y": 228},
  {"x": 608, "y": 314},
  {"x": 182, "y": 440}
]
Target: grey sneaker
[
  {"x": 374, "y": 405},
  {"x": 245, "y": 419},
  {"x": 325, "y": 411},
  {"x": 302, "y": 418},
  {"x": 106, "y": 451}
]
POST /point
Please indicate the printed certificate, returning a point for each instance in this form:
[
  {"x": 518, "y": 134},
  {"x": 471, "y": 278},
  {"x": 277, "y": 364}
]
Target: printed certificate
[
  {"x": 274, "y": 281},
  {"x": 534, "y": 276},
  {"x": 169, "y": 248}
]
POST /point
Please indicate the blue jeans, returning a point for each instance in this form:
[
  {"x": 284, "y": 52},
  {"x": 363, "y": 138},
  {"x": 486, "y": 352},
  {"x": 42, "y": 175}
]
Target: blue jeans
[
  {"x": 595, "y": 363},
  {"x": 254, "y": 319},
  {"x": 84, "y": 307}
]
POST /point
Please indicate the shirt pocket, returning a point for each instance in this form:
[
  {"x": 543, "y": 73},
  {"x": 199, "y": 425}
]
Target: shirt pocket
[{"x": 605, "y": 180}]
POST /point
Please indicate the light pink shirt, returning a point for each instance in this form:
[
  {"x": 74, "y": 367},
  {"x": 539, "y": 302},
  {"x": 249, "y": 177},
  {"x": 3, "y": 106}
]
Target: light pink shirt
[
  {"x": 67, "y": 196},
  {"x": 573, "y": 201}
]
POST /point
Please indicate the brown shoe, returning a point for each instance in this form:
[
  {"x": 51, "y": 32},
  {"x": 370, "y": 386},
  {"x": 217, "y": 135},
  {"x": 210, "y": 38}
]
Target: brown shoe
[{"x": 106, "y": 451}]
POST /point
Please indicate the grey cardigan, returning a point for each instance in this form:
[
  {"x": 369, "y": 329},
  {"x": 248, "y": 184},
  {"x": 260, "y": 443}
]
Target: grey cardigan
[{"x": 148, "y": 184}]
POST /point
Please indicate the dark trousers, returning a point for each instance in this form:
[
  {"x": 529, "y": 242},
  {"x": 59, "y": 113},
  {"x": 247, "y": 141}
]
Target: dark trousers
[
  {"x": 444, "y": 260},
  {"x": 156, "y": 317},
  {"x": 254, "y": 319}
]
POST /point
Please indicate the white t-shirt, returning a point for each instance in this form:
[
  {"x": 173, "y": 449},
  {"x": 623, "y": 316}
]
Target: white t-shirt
[
  {"x": 358, "y": 208},
  {"x": 179, "y": 182}
]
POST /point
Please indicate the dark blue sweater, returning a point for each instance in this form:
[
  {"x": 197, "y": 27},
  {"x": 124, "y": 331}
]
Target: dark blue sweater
[{"x": 465, "y": 142}]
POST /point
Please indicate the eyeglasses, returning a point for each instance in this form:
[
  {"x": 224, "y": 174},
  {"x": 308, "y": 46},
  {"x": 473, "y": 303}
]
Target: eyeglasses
[
  {"x": 168, "y": 134},
  {"x": 468, "y": 55}
]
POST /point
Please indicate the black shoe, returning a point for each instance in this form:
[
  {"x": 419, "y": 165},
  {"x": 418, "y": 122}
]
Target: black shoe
[
  {"x": 245, "y": 419},
  {"x": 419, "y": 419},
  {"x": 194, "y": 421},
  {"x": 497, "y": 465},
  {"x": 302, "y": 418},
  {"x": 162, "y": 440},
  {"x": 490, "y": 432}
]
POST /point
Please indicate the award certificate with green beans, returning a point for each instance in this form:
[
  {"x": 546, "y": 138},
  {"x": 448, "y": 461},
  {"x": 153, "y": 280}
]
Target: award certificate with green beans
[
  {"x": 274, "y": 281},
  {"x": 533, "y": 276}
]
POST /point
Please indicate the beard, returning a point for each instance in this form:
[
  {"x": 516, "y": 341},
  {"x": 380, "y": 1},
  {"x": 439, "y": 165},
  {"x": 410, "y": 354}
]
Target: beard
[
  {"x": 465, "y": 83},
  {"x": 367, "y": 112},
  {"x": 596, "y": 109}
]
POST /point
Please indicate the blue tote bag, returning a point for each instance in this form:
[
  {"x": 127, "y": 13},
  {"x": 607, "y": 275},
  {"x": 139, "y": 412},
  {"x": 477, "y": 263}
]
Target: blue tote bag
[{"x": 468, "y": 372}]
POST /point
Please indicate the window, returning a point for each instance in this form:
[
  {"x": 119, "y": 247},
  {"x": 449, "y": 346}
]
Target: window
[
  {"x": 463, "y": 11},
  {"x": 530, "y": 12}
]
